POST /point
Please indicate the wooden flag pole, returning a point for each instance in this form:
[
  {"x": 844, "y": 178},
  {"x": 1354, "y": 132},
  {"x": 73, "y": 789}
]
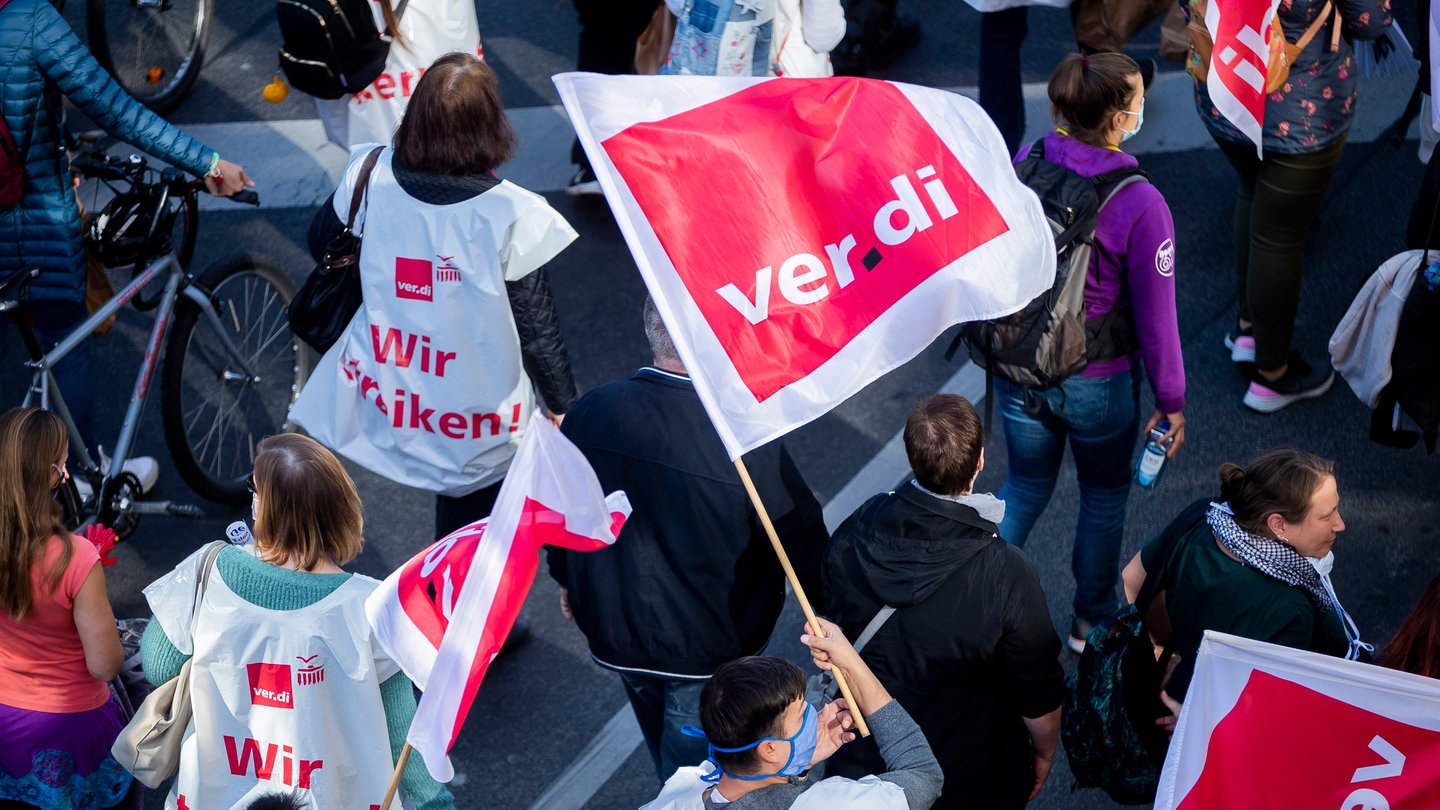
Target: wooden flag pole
[
  {"x": 840, "y": 681},
  {"x": 395, "y": 780}
]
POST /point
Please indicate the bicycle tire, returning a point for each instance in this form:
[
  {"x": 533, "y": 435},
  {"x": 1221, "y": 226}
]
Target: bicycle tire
[
  {"x": 214, "y": 417},
  {"x": 153, "y": 48}
]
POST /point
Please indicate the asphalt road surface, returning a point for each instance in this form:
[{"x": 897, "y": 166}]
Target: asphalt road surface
[{"x": 547, "y": 721}]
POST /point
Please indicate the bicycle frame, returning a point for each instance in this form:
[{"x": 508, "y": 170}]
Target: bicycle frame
[{"x": 43, "y": 381}]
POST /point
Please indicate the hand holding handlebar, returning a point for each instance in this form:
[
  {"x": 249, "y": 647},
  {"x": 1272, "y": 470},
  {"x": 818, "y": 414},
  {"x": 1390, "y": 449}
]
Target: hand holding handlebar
[{"x": 232, "y": 179}]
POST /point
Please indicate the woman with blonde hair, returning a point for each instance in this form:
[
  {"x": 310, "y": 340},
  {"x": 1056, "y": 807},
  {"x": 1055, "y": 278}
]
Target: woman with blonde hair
[
  {"x": 58, "y": 643},
  {"x": 290, "y": 690}
]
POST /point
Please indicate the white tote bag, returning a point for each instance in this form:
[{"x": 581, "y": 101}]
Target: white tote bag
[
  {"x": 431, "y": 29},
  {"x": 791, "y": 56}
]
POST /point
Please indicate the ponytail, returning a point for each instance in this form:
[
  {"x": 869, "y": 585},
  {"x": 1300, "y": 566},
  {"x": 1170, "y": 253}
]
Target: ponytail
[{"x": 1086, "y": 92}]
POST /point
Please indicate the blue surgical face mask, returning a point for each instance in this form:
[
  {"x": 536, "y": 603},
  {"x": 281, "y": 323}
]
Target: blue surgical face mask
[
  {"x": 1127, "y": 134},
  {"x": 802, "y": 749}
]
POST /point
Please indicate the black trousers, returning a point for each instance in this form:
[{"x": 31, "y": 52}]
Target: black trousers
[
  {"x": 608, "y": 30},
  {"x": 1276, "y": 201}
]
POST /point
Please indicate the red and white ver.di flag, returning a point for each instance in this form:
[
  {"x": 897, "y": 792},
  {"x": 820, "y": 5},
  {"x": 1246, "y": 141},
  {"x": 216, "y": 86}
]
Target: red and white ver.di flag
[
  {"x": 801, "y": 237},
  {"x": 1266, "y": 727},
  {"x": 444, "y": 614},
  {"x": 1240, "y": 61}
]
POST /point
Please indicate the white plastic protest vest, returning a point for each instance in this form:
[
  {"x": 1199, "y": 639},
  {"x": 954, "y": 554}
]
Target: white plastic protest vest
[
  {"x": 431, "y": 29},
  {"x": 685, "y": 791},
  {"x": 284, "y": 700},
  {"x": 426, "y": 386}
]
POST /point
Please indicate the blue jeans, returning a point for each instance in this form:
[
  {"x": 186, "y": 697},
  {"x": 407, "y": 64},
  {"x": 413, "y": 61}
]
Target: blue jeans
[
  {"x": 662, "y": 707},
  {"x": 1100, "y": 418}
]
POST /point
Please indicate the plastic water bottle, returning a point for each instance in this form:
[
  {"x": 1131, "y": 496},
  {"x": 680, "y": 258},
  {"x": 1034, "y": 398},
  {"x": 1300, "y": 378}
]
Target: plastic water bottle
[
  {"x": 238, "y": 533},
  {"x": 1152, "y": 458}
]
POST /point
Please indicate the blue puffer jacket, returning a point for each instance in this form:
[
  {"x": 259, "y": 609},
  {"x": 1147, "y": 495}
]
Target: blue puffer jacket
[{"x": 44, "y": 229}]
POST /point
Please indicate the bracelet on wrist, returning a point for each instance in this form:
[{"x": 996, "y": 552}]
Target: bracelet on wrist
[{"x": 214, "y": 170}]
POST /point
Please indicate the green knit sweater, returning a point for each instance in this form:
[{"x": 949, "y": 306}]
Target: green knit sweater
[{"x": 275, "y": 588}]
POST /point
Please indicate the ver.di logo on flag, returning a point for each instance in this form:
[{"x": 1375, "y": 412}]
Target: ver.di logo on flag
[{"x": 818, "y": 231}]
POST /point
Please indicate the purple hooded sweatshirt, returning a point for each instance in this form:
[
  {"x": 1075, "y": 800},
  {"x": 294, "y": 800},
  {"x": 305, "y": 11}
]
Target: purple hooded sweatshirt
[{"x": 1135, "y": 248}]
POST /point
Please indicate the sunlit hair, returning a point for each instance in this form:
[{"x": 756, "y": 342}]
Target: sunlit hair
[
  {"x": 455, "y": 122},
  {"x": 662, "y": 348},
  {"x": 32, "y": 441},
  {"x": 1416, "y": 645},
  {"x": 307, "y": 505},
  {"x": 943, "y": 441},
  {"x": 1280, "y": 482},
  {"x": 1087, "y": 91}
]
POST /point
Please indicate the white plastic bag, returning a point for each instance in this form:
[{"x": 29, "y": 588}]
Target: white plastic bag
[{"x": 431, "y": 29}]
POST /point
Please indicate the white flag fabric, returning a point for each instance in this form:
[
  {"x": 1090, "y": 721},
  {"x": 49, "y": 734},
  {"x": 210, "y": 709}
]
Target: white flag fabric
[
  {"x": 801, "y": 237},
  {"x": 444, "y": 614},
  {"x": 1266, "y": 727},
  {"x": 1240, "y": 61}
]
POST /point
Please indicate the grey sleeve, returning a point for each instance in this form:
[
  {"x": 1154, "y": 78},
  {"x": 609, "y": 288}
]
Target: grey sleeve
[{"x": 910, "y": 762}]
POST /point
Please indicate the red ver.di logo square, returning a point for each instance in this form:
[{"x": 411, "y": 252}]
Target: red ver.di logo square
[
  {"x": 797, "y": 213},
  {"x": 270, "y": 685},
  {"x": 415, "y": 279}
]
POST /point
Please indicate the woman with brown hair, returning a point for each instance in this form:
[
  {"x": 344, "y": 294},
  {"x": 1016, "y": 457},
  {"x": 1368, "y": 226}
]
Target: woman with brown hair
[
  {"x": 481, "y": 243},
  {"x": 1098, "y": 103},
  {"x": 58, "y": 644},
  {"x": 290, "y": 691},
  {"x": 1256, "y": 563}
]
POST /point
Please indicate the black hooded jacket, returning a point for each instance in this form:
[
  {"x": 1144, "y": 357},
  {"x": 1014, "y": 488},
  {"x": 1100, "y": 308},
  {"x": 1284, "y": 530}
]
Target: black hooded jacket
[{"x": 970, "y": 649}]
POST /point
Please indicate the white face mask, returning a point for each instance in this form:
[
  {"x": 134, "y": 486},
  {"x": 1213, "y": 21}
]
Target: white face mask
[{"x": 1323, "y": 564}]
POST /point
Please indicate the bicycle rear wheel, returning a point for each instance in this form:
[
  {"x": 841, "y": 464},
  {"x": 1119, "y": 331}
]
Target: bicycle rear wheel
[
  {"x": 214, "y": 415},
  {"x": 153, "y": 48}
]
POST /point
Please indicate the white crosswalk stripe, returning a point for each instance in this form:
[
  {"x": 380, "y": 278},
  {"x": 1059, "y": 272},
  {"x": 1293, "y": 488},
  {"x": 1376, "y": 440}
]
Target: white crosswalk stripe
[{"x": 296, "y": 167}]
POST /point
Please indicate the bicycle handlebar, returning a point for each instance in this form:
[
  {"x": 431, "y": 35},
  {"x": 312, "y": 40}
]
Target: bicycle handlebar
[{"x": 109, "y": 167}]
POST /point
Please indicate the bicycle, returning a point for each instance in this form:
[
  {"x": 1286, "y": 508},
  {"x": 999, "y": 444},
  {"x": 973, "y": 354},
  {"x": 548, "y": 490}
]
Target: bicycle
[
  {"x": 230, "y": 368},
  {"x": 153, "y": 48}
]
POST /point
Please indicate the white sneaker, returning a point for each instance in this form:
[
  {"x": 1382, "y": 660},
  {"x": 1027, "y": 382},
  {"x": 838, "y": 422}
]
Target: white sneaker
[{"x": 145, "y": 469}]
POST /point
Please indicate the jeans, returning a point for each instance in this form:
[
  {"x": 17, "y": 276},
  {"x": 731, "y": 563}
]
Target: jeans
[
  {"x": 1276, "y": 201},
  {"x": 663, "y": 706},
  {"x": 1001, "y": 93},
  {"x": 54, "y": 321},
  {"x": 1100, "y": 418}
]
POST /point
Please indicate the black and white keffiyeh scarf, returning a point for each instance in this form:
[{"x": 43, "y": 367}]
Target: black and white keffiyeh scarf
[{"x": 1270, "y": 557}]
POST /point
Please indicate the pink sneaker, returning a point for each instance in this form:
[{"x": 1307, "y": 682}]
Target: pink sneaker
[
  {"x": 1300, "y": 381},
  {"x": 1241, "y": 343}
]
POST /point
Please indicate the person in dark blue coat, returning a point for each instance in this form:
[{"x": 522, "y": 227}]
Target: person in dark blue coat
[{"x": 38, "y": 53}]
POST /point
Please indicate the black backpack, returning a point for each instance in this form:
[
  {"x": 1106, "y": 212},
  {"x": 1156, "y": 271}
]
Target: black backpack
[
  {"x": 1113, "y": 697},
  {"x": 1049, "y": 340},
  {"x": 330, "y": 47}
]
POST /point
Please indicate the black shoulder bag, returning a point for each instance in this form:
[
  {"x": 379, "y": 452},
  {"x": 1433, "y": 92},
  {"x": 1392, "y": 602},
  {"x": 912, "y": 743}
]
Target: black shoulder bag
[{"x": 322, "y": 309}]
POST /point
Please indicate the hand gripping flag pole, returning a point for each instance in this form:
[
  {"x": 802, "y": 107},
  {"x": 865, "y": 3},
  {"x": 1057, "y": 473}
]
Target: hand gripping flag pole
[{"x": 815, "y": 629}]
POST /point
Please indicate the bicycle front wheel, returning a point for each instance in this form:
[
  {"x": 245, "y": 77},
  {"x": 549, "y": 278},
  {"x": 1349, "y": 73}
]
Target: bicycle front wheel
[
  {"x": 215, "y": 414},
  {"x": 153, "y": 48}
]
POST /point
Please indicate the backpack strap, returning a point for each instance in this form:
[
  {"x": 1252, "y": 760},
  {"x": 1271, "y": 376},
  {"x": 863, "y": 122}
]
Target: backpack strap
[
  {"x": 1101, "y": 331},
  {"x": 873, "y": 627}
]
